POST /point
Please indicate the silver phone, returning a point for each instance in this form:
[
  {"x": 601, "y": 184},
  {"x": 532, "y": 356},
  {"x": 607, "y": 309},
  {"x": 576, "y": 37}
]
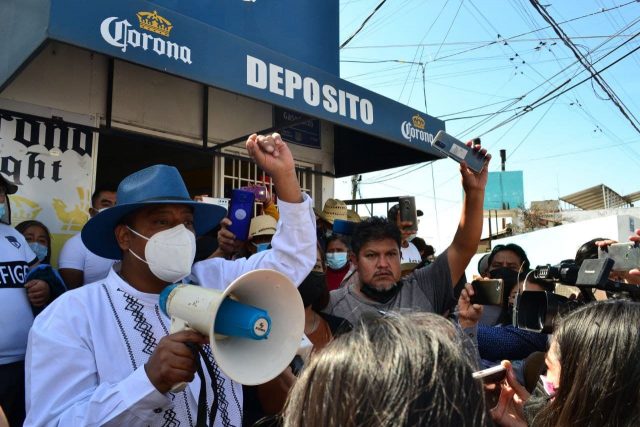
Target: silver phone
[{"x": 458, "y": 151}]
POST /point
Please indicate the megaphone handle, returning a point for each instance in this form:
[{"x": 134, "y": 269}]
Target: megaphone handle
[{"x": 178, "y": 325}]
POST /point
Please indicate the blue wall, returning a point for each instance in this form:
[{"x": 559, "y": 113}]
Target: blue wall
[{"x": 306, "y": 30}]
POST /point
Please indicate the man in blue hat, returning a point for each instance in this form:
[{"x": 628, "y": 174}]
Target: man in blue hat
[{"x": 103, "y": 355}]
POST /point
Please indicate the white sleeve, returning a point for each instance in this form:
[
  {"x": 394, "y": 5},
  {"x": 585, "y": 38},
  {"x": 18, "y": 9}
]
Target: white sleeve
[
  {"x": 293, "y": 250},
  {"x": 29, "y": 255},
  {"x": 72, "y": 254},
  {"x": 62, "y": 384}
]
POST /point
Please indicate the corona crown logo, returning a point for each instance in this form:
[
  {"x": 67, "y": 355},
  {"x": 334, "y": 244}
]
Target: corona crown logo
[
  {"x": 415, "y": 130},
  {"x": 151, "y": 21},
  {"x": 418, "y": 122}
]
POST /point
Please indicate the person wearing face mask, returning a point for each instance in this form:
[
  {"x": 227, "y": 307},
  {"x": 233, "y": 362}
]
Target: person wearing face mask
[
  {"x": 337, "y": 256},
  {"x": 376, "y": 246},
  {"x": 504, "y": 262},
  {"x": 261, "y": 231},
  {"x": 17, "y": 302},
  {"x": 39, "y": 239},
  {"x": 592, "y": 378},
  {"x": 78, "y": 265},
  {"x": 103, "y": 355}
]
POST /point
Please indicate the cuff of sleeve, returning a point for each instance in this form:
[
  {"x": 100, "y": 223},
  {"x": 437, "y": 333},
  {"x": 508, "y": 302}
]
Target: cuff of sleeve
[
  {"x": 137, "y": 390},
  {"x": 295, "y": 212},
  {"x": 471, "y": 332}
]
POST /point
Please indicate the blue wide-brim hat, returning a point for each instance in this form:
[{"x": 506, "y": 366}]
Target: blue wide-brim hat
[{"x": 155, "y": 185}]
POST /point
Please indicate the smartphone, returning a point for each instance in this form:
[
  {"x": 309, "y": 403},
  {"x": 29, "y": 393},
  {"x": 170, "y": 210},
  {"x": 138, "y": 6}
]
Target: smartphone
[
  {"x": 626, "y": 256},
  {"x": 408, "y": 212},
  {"x": 240, "y": 213},
  {"x": 487, "y": 291},
  {"x": 491, "y": 375},
  {"x": 458, "y": 151}
]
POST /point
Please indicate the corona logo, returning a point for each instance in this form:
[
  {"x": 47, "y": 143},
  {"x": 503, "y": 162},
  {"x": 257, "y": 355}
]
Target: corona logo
[
  {"x": 418, "y": 122},
  {"x": 414, "y": 130},
  {"x": 119, "y": 33},
  {"x": 155, "y": 23}
]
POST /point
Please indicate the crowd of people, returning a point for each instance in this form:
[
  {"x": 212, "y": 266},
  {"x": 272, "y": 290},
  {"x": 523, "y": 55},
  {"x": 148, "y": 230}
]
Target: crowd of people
[{"x": 395, "y": 336}]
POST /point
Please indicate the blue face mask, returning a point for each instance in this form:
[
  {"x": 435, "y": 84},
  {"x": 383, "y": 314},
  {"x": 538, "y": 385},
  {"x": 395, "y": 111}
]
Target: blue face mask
[
  {"x": 41, "y": 251},
  {"x": 3, "y": 209},
  {"x": 336, "y": 260},
  {"x": 261, "y": 246}
]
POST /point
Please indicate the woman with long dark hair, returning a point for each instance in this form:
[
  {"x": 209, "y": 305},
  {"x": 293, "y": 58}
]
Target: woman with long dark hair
[
  {"x": 392, "y": 371},
  {"x": 593, "y": 374}
]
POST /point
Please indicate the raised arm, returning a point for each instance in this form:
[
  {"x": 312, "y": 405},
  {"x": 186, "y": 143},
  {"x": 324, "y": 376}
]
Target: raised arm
[{"x": 467, "y": 237}]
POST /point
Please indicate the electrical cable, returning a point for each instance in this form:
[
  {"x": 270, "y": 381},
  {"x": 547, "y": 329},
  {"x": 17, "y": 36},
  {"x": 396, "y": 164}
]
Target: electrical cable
[{"x": 373, "y": 12}]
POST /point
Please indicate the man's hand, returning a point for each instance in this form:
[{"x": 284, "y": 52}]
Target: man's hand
[
  {"x": 172, "y": 362},
  {"x": 468, "y": 314},
  {"x": 509, "y": 412},
  {"x": 405, "y": 229},
  {"x": 274, "y": 157},
  {"x": 470, "y": 180},
  {"x": 271, "y": 154},
  {"x": 38, "y": 292},
  {"x": 227, "y": 241}
]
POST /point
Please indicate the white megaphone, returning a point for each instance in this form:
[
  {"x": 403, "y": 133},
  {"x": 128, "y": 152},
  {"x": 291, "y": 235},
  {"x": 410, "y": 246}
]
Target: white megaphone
[{"x": 254, "y": 326}]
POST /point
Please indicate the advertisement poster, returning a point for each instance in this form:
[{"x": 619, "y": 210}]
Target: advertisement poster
[{"x": 52, "y": 164}]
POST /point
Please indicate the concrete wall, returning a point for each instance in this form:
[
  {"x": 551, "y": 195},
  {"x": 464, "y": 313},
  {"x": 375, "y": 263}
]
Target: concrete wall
[{"x": 552, "y": 245}]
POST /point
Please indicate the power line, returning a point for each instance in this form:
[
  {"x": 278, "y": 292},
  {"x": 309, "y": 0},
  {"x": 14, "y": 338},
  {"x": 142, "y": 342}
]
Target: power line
[
  {"x": 532, "y": 106},
  {"x": 373, "y": 12},
  {"x": 595, "y": 76}
]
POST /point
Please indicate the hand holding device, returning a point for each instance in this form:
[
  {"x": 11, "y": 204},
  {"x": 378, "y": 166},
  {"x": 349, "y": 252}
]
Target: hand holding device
[
  {"x": 487, "y": 291},
  {"x": 408, "y": 213},
  {"x": 626, "y": 256},
  {"x": 240, "y": 213},
  {"x": 459, "y": 151}
]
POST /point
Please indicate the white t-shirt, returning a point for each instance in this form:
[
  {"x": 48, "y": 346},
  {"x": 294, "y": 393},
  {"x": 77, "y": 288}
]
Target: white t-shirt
[
  {"x": 76, "y": 256},
  {"x": 410, "y": 256},
  {"x": 16, "y": 316}
]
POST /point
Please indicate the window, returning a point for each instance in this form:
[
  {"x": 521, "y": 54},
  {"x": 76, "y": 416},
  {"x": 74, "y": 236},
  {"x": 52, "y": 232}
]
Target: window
[{"x": 239, "y": 171}]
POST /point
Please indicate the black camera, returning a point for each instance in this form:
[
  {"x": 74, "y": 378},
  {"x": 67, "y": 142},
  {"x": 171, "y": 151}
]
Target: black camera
[{"x": 536, "y": 310}]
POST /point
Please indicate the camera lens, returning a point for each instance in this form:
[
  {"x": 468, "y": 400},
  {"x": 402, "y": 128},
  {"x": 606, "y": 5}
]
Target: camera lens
[{"x": 440, "y": 144}]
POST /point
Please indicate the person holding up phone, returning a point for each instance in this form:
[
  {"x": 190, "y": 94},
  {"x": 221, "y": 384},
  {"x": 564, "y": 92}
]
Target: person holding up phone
[{"x": 376, "y": 245}]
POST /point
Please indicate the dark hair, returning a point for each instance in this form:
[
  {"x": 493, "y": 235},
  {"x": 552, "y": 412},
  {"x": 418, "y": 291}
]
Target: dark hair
[
  {"x": 547, "y": 286},
  {"x": 341, "y": 237},
  {"x": 371, "y": 229},
  {"x": 96, "y": 194},
  {"x": 588, "y": 250},
  {"x": 513, "y": 248},
  {"x": 421, "y": 245},
  {"x": 22, "y": 227},
  {"x": 391, "y": 371},
  {"x": 597, "y": 346},
  {"x": 392, "y": 213}
]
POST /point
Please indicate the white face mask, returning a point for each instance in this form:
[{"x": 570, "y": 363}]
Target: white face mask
[{"x": 169, "y": 253}]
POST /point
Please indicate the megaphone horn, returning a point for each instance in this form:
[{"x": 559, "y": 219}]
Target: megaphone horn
[{"x": 254, "y": 326}]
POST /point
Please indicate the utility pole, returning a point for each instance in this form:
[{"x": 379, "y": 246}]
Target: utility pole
[{"x": 355, "y": 179}]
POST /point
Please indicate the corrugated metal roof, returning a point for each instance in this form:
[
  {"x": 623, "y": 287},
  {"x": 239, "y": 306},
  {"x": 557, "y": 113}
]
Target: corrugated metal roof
[{"x": 598, "y": 197}]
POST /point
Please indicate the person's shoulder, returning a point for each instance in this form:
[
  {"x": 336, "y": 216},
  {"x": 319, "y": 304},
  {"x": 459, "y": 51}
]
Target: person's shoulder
[{"x": 73, "y": 245}]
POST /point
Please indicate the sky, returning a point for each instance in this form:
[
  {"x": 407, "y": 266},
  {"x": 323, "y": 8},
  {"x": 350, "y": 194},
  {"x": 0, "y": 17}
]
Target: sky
[{"x": 481, "y": 56}]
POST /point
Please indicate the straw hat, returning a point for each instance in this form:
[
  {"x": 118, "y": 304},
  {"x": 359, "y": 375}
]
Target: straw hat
[
  {"x": 353, "y": 216},
  {"x": 333, "y": 209},
  {"x": 262, "y": 225}
]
